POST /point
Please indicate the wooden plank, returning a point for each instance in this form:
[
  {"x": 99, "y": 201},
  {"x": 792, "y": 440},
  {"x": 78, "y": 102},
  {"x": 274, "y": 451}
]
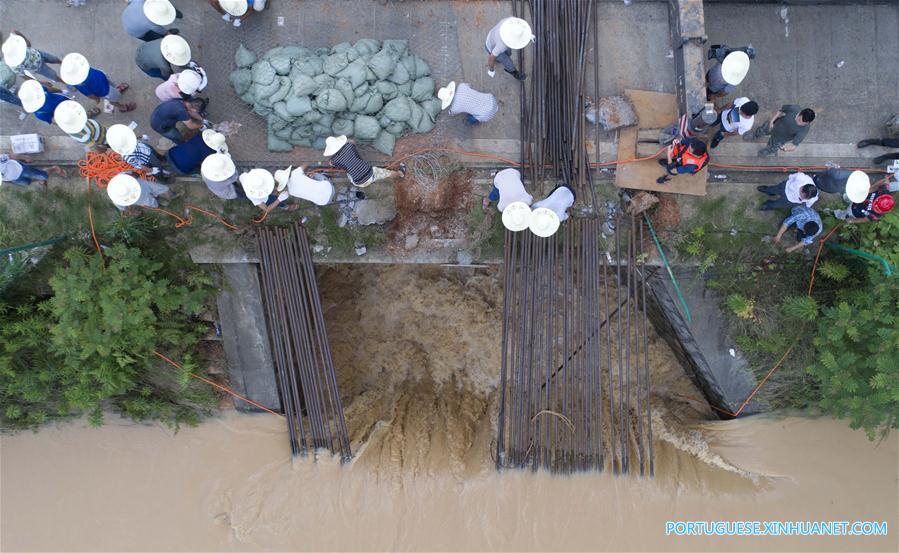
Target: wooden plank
[{"x": 654, "y": 111}]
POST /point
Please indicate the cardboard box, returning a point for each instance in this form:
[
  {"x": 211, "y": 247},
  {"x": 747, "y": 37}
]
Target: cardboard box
[{"x": 27, "y": 144}]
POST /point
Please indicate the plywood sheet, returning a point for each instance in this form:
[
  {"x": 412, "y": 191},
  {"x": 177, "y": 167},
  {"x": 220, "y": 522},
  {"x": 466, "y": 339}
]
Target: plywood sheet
[{"x": 654, "y": 110}]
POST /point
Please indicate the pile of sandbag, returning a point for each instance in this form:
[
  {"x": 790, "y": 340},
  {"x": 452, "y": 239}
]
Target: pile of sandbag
[{"x": 371, "y": 91}]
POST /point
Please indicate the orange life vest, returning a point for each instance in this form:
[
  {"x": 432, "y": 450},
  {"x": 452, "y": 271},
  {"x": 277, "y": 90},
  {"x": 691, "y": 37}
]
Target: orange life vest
[{"x": 684, "y": 156}]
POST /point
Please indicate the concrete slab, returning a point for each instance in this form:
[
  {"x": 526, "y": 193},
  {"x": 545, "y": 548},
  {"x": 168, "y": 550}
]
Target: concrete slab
[
  {"x": 251, "y": 370},
  {"x": 835, "y": 59}
]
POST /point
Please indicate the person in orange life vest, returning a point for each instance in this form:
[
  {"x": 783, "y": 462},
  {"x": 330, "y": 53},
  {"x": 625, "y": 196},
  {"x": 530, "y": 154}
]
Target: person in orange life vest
[{"x": 686, "y": 155}]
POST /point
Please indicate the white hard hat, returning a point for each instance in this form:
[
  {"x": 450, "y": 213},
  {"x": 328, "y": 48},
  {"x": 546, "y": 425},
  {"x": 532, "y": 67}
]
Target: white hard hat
[
  {"x": 333, "y": 145},
  {"x": 516, "y": 33},
  {"x": 217, "y": 167},
  {"x": 175, "y": 49},
  {"x": 160, "y": 12},
  {"x": 123, "y": 190},
  {"x": 735, "y": 67},
  {"x": 215, "y": 140},
  {"x": 74, "y": 69},
  {"x": 446, "y": 95},
  {"x": 14, "y": 49},
  {"x": 32, "y": 95},
  {"x": 282, "y": 176},
  {"x": 70, "y": 116},
  {"x": 235, "y": 8},
  {"x": 544, "y": 222},
  {"x": 257, "y": 183},
  {"x": 858, "y": 186},
  {"x": 191, "y": 81},
  {"x": 121, "y": 139},
  {"x": 517, "y": 216}
]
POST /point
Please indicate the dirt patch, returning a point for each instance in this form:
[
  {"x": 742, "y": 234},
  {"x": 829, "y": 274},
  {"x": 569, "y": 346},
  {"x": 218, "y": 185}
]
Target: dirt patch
[
  {"x": 430, "y": 213},
  {"x": 665, "y": 216}
]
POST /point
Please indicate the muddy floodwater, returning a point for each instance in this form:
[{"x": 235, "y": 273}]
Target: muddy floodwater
[{"x": 415, "y": 351}]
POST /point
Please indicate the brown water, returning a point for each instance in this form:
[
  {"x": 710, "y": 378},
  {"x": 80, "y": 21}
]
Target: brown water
[{"x": 416, "y": 359}]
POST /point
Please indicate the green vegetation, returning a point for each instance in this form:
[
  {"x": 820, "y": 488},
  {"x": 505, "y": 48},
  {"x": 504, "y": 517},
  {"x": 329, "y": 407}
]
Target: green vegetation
[
  {"x": 79, "y": 331},
  {"x": 842, "y": 338}
]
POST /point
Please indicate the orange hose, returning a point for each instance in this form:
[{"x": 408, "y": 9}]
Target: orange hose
[{"x": 217, "y": 385}]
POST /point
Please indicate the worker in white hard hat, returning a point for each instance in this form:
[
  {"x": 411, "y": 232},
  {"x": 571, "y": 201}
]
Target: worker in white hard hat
[
  {"x": 316, "y": 189},
  {"x": 259, "y": 187},
  {"x": 559, "y": 201},
  {"x": 220, "y": 176},
  {"x": 517, "y": 216},
  {"x": 71, "y": 117},
  {"x": 344, "y": 155},
  {"x": 147, "y": 19},
  {"x": 511, "y": 33},
  {"x": 22, "y": 58},
  {"x": 508, "y": 188},
  {"x": 723, "y": 78},
  {"x": 183, "y": 85},
  {"x": 127, "y": 192},
  {"x": 478, "y": 107},
  {"x": 836, "y": 180},
  {"x": 76, "y": 71},
  {"x": 122, "y": 140},
  {"x": 235, "y": 11}
]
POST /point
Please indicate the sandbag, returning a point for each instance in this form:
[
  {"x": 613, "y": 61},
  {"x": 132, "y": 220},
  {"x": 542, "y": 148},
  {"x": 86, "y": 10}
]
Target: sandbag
[
  {"x": 335, "y": 63},
  {"x": 422, "y": 89},
  {"x": 311, "y": 65},
  {"x": 298, "y": 105},
  {"x": 382, "y": 64},
  {"x": 346, "y": 88},
  {"x": 241, "y": 80},
  {"x": 354, "y": 72},
  {"x": 398, "y": 109},
  {"x": 276, "y": 144},
  {"x": 303, "y": 85},
  {"x": 385, "y": 143},
  {"x": 331, "y": 100},
  {"x": 400, "y": 74},
  {"x": 280, "y": 109},
  {"x": 367, "y": 127},
  {"x": 263, "y": 73},
  {"x": 244, "y": 58},
  {"x": 283, "y": 90},
  {"x": 281, "y": 64},
  {"x": 342, "y": 126},
  {"x": 367, "y": 46}
]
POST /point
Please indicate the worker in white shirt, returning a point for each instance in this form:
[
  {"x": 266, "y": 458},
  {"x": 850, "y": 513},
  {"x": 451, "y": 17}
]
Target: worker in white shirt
[
  {"x": 295, "y": 182},
  {"x": 507, "y": 188},
  {"x": 737, "y": 118},
  {"x": 559, "y": 201},
  {"x": 798, "y": 189}
]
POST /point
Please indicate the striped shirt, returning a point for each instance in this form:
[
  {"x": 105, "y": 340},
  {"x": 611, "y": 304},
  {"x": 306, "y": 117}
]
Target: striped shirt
[
  {"x": 348, "y": 159},
  {"x": 140, "y": 157},
  {"x": 480, "y": 105},
  {"x": 799, "y": 216},
  {"x": 92, "y": 134}
]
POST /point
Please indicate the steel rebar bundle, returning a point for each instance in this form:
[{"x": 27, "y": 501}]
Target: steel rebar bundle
[
  {"x": 569, "y": 312},
  {"x": 302, "y": 354},
  {"x": 552, "y": 114}
]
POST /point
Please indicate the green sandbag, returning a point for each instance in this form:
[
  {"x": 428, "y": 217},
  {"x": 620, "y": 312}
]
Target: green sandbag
[
  {"x": 264, "y": 92},
  {"x": 243, "y": 57},
  {"x": 295, "y": 52},
  {"x": 400, "y": 74},
  {"x": 285, "y": 133},
  {"x": 281, "y": 64},
  {"x": 422, "y": 69},
  {"x": 416, "y": 116},
  {"x": 358, "y": 105},
  {"x": 304, "y": 142},
  {"x": 404, "y": 89},
  {"x": 367, "y": 46},
  {"x": 302, "y": 131},
  {"x": 396, "y": 129},
  {"x": 343, "y": 48},
  {"x": 367, "y": 127},
  {"x": 283, "y": 90},
  {"x": 275, "y": 123},
  {"x": 276, "y": 51},
  {"x": 409, "y": 63},
  {"x": 311, "y": 116},
  {"x": 310, "y": 65},
  {"x": 422, "y": 89},
  {"x": 276, "y": 144},
  {"x": 326, "y": 120},
  {"x": 319, "y": 143},
  {"x": 280, "y": 109},
  {"x": 369, "y": 74},
  {"x": 262, "y": 110},
  {"x": 382, "y": 64},
  {"x": 346, "y": 88},
  {"x": 426, "y": 124},
  {"x": 361, "y": 89},
  {"x": 303, "y": 85},
  {"x": 248, "y": 97},
  {"x": 263, "y": 73},
  {"x": 330, "y": 99},
  {"x": 241, "y": 80},
  {"x": 398, "y": 109},
  {"x": 432, "y": 107},
  {"x": 387, "y": 90},
  {"x": 354, "y": 72},
  {"x": 384, "y": 143},
  {"x": 321, "y": 130},
  {"x": 298, "y": 105},
  {"x": 335, "y": 63},
  {"x": 375, "y": 103},
  {"x": 324, "y": 81},
  {"x": 398, "y": 47},
  {"x": 342, "y": 126}
]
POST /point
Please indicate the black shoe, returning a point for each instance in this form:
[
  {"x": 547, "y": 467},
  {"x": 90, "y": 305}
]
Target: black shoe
[
  {"x": 173, "y": 32},
  {"x": 178, "y": 14},
  {"x": 761, "y": 189},
  {"x": 714, "y": 144},
  {"x": 868, "y": 142},
  {"x": 883, "y": 159},
  {"x": 662, "y": 180},
  {"x": 663, "y": 162},
  {"x": 521, "y": 76}
]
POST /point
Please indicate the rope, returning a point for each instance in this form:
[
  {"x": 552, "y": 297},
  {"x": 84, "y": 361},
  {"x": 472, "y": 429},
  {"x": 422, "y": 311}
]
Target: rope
[{"x": 217, "y": 385}]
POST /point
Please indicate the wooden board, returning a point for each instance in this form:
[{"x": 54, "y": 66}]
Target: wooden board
[{"x": 654, "y": 110}]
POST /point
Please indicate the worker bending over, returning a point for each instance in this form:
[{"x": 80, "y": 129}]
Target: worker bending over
[{"x": 685, "y": 155}]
